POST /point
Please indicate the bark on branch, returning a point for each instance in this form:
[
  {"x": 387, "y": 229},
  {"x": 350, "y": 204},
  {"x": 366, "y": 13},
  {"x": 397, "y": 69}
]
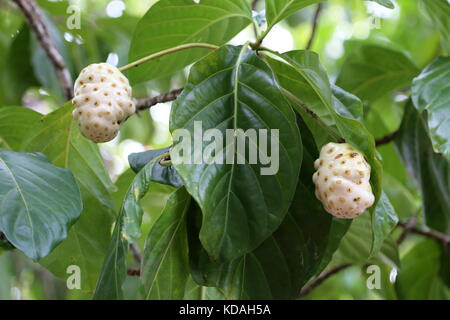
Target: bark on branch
[
  {"x": 315, "y": 23},
  {"x": 146, "y": 103},
  {"x": 36, "y": 21},
  {"x": 412, "y": 228},
  {"x": 321, "y": 278}
]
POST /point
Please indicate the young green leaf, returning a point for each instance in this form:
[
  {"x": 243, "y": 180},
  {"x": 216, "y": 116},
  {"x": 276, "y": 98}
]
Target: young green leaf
[
  {"x": 38, "y": 202},
  {"x": 431, "y": 92},
  {"x": 165, "y": 269},
  {"x": 170, "y": 23},
  {"x": 126, "y": 230},
  {"x": 371, "y": 71},
  {"x": 430, "y": 170},
  {"x": 230, "y": 90}
]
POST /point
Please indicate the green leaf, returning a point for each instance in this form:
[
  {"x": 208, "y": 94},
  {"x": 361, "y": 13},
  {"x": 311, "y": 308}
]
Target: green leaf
[
  {"x": 431, "y": 92},
  {"x": 42, "y": 66},
  {"x": 301, "y": 247},
  {"x": 431, "y": 171},
  {"x": 19, "y": 70},
  {"x": 384, "y": 221},
  {"x": 126, "y": 230},
  {"x": 419, "y": 272},
  {"x": 305, "y": 81},
  {"x": 385, "y": 3},
  {"x": 277, "y": 10},
  {"x": 439, "y": 12},
  {"x": 356, "y": 248},
  {"x": 165, "y": 270},
  {"x": 170, "y": 23},
  {"x": 57, "y": 136},
  {"x": 234, "y": 89},
  {"x": 371, "y": 71},
  {"x": 164, "y": 174},
  {"x": 38, "y": 202},
  {"x": 15, "y": 124}
]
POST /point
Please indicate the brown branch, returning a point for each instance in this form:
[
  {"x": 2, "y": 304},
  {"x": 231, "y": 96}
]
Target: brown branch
[
  {"x": 146, "y": 103},
  {"x": 441, "y": 237},
  {"x": 315, "y": 23},
  {"x": 36, "y": 21},
  {"x": 136, "y": 253},
  {"x": 254, "y": 4},
  {"x": 407, "y": 229},
  {"x": 134, "y": 272},
  {"x": 386, "y": 139},
  {"x": 321, "y": 278}
]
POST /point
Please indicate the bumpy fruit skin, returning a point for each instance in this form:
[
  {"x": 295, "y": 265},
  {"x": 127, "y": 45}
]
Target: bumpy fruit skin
[
  {"x": 102, "y": 101},
  {"x": 342, "y": 181}
]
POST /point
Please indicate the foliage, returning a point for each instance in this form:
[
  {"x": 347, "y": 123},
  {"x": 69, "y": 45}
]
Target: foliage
[{"x": 212, "y": 230}]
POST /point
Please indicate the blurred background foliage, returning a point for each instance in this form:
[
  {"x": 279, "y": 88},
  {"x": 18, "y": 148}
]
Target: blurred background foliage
[{"x": 27, "y": 79}]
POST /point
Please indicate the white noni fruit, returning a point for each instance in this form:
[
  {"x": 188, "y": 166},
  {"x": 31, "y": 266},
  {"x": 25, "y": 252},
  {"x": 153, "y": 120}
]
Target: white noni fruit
[
  {"x": 342, "y": 180},
  {"x": 102, "y": 101}
]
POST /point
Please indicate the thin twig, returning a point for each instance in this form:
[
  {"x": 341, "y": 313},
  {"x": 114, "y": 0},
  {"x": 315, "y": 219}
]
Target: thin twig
[
  {"x": 315, "y": 23},
  {"x": 321, "y": 278},
  {"x": 146, "y": 103},
  {"x": 254, "y": 4},
  {"x": 134, "y": 272},
  {"x": 136, "y": 253},
  {"x": 407, "y": 229},
  {"x": 36, "y": 21},
  {"x": 441, "y": 237},
  {"x": 386, "y": 139}
]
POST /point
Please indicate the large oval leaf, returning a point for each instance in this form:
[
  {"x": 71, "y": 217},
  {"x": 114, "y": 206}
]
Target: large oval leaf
[
  {"x": 305, "y": 81},
  {"x": 299, "y": 249},
  {"x": 126, "y": 230},
  {"x": 165, "y": 268},
  {"x": 430, "y": 170},
  {"x": 234, "y": 89},
  {"x": 277, "y": 10},
  {"x": 371, "y": 71},
  {"x": 170, "y": 23},
  {"x": 431, "y": 92},
  {"x": 57, "y": 136},
  {"x": 38, "y": 202}
]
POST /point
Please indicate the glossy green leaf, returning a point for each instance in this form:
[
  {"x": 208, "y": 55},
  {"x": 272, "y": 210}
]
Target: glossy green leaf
[
  {"x": 439, "y": 13},
  {"x": 242, "y": 204},
  {"x": 384, "y": 220},
  {"x": 356, "y": 247},
  {"x": 15, "y": 124},
  {"x": 305, "y": 81},
  {"x": 385, "y": 3},
  {"x": 42, "y": 66},
  {"x": 301, "y": 247},
  {"x": 431, "y": 92},
  {"x": 165, "y": 269},
  {"x": 371, "y": 71},
  {"x": 431, "y": 171},
  {"x": 419, "y": 272},
  {"x": 39, "y": 202},
  {"x": 19, "y": 70},
  {"x": 126, "y": 230},
  {"x": 277, "y": 10},
  {"x": 197, "y": 292},
  {"x": 170, "y": 23},
  {"x": 57, "y": 136}
]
